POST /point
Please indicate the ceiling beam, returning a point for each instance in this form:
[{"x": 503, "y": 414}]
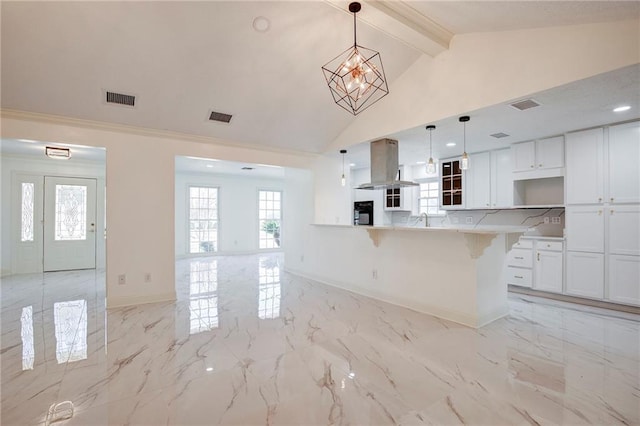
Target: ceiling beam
[{"x": 404, "y": 23}]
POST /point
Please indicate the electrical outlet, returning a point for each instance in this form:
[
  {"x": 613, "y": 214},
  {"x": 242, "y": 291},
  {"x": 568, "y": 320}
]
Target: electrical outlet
[
  {"x": 122, "y": 279},
  {"x": 374, "y": 274},
  {"x": 469, "y": 220},
  {"x": 147, "y": 277},
  {"x": 555, "y": 220},
  {"x": 546, "y": 219}
]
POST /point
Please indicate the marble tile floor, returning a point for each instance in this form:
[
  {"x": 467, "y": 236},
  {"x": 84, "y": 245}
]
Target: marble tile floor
[{"x": 247, "y": 343}]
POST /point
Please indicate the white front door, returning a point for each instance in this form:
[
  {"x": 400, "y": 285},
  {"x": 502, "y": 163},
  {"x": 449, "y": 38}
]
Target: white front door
[{"x": 69, "y": 223}]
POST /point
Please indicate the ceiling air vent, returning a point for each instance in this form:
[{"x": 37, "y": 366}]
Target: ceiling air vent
[
  {"x": 525, "y": 104},
  {"x": 499, "y": 135},
  {"x": 120, "y": 99},
  {"x": 247, "y": 168},
  {"x": 219, "y": 116}
]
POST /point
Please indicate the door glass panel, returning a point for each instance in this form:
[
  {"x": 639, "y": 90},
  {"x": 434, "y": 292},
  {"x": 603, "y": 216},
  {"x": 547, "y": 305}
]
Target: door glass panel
[
  {"x": 27, "y": 212},
  {"x": 71, "y": 212}
]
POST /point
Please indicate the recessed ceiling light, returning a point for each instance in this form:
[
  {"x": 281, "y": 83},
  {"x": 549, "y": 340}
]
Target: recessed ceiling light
[
  {"x": 450, "y": 144},
  {"x": 209, "y": 368},
  {"x": 352, "y": 164},
  {"x": 27, "y": 140},
  {"x": 261, "y": 24},
  {"x": 209, "y": 166},
  {"x": 622, "y": 108},
  {"x": 420, "y": 162}
]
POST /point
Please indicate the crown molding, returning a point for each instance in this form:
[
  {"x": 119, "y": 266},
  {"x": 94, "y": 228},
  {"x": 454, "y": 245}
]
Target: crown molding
[{"x": 142, "y": 131}]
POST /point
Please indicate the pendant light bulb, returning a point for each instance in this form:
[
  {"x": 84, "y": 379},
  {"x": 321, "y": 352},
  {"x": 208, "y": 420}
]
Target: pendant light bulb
[
  {"x": 343, "y": 180},
  {"x": 464, "y": 162},
  {"x": 431, "y": 165}
]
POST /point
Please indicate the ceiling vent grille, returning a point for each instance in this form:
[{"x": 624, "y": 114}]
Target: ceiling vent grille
[
  {"x": 247, "y": 168},
  {"x": 120, "y": 99},
  {"x": 525, "y": 104},
  {"x": 219, "y": 116},
  {"x": 499, "y": 135}
]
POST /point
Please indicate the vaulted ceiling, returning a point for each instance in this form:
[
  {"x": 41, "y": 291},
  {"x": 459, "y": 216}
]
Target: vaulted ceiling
[{"x": 184, "y": 59}]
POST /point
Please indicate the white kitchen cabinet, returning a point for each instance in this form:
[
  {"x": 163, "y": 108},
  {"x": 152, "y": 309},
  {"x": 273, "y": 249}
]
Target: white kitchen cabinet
[
  {"x": 520, "y": 263},
  {"x": 478, "y": 181},
  {"x": 548, "y": 266},
  {"x": 501, "y": 181},
  {"x": 584, "y": 228},
  {"x": 400, "y": 199},
  {"x": 624, "y": 163},
  {"x": 585, "y": 274},
  {"x": 550, "y": 153},
  {"x": 542, "y": 158},
  {"x": 585, "y": 167},
  {"x": 624, "y": 229},
  {"x": 624, "y": 279},
  {"x": 523, "y": 156}
]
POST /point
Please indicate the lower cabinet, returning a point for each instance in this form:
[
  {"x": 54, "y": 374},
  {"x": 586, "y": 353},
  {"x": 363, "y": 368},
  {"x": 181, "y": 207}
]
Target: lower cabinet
[
  {"x": 624, "y": 279},
  {"x": 548, "y": 267},
  {"x": 585, "y": 274}
]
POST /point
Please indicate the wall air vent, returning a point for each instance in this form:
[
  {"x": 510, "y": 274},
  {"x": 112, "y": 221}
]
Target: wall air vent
[
  {"x": 525, "y": 104},
  {"x": 219, "y": 116},
  {"x": 120, "y": 99},
  {"x": 499, "y": 135}
]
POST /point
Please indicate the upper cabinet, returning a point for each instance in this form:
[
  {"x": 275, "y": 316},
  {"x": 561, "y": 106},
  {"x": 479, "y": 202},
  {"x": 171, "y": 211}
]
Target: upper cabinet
[
  {"x": 585, "y": 167},
  {"x": 451, "y": 184},
  {"x": 624, "y": 160},
  {"x": 501, "y": 181},
  {"x": 538, "y": 159},
  {"x": 478, "y": 181},
  {"x": 603, "y": 169}
]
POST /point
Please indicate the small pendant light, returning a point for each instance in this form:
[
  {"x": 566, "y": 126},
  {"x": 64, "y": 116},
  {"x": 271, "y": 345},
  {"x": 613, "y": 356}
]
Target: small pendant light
[
  {"x": 343, "y": 181},
  {"x": 431, "y": 166},
  {"x": 464, "y": 163}
]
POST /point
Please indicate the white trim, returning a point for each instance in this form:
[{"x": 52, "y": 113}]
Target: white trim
[
  {"x": 457, "y": 317},
  {"x": 123, "y": 301}
]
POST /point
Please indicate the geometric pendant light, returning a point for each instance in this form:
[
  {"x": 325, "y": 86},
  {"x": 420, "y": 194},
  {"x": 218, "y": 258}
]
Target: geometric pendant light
[{"x": 356, "y": 77}]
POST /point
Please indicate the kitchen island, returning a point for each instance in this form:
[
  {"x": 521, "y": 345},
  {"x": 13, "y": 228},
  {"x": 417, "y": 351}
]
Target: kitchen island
[{"x": 455, "y": 273}]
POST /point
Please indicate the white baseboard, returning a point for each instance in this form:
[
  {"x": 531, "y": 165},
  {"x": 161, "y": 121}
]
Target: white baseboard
[
  {"x": 122, "y": 301},
  {"x": 457, "y": 317}
]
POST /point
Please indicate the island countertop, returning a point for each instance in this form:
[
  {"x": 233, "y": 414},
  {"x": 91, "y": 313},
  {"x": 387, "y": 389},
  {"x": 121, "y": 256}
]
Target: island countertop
[{"x": 466, "y": 229}]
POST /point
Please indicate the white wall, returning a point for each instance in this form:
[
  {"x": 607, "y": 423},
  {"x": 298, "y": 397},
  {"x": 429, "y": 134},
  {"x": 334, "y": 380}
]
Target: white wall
[
  {"x": 140, "y": 182},
  {"x": 333, "y": 202},
  {"x": 237, "y": 210},
  {"x": 298, "y": 214},
  {"x": 12, "y": 166}
]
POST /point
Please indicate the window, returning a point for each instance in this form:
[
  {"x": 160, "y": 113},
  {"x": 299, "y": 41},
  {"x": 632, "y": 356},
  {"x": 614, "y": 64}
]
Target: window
[
  {"x": 269, "y": 214},
  {"x": 430, "y": 198},
  {"x": 203, "y": 219},
  {"x": 27, "y": 212}
]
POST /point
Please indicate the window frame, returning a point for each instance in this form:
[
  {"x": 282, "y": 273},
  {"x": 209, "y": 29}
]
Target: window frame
[
  {"x": 441, "y": 212},
  {"x": 258, "y": 227},
  {"x": 188, "y": 218}
]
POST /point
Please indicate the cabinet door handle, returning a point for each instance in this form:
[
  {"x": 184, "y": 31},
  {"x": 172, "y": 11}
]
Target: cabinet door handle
[
  {"x": 600, "y": 199},
  {"x": 539, "y": 165},
  {"x": 538, "y": 256},
  {"x": 611, "y": 211},
  {"x": 519, "y": 257},
  {"x": 532, "y": 166},
  {"x": 599, "y": 212},
  {"x": 612, "y": 199},
  {"x": 518, "y": 276}
]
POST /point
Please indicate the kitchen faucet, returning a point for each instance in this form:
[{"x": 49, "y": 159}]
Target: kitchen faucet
[{"x": 426, "y": 219}]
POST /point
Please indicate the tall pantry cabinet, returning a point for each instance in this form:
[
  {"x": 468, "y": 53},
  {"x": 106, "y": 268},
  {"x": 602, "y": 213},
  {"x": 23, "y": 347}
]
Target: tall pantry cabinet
[{"x": 603, "y": 213}]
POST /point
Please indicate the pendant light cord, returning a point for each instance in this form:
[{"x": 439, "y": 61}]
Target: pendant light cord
[
  {"x": 430, "y": 143},
  {"x": 355, "y": 43}
]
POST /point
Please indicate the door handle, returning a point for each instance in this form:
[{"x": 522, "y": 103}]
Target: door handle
[
  {"x": 538, "y": 256},
  {"x": 93, "y": 228}
]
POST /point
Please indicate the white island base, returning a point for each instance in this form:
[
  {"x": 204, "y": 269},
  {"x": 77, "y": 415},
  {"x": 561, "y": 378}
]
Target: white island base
[{"x": 452, "y": 273}]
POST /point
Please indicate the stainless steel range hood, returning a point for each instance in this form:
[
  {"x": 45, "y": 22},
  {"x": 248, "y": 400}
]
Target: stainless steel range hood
[{"x": 384, "y": 166}]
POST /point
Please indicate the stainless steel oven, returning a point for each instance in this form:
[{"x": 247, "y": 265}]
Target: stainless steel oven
[{"x": 363, "y": 213}]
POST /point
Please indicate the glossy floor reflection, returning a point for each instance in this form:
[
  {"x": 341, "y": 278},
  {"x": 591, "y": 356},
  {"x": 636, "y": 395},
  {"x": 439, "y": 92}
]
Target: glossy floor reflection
[{"x": 247, "y": 343}]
